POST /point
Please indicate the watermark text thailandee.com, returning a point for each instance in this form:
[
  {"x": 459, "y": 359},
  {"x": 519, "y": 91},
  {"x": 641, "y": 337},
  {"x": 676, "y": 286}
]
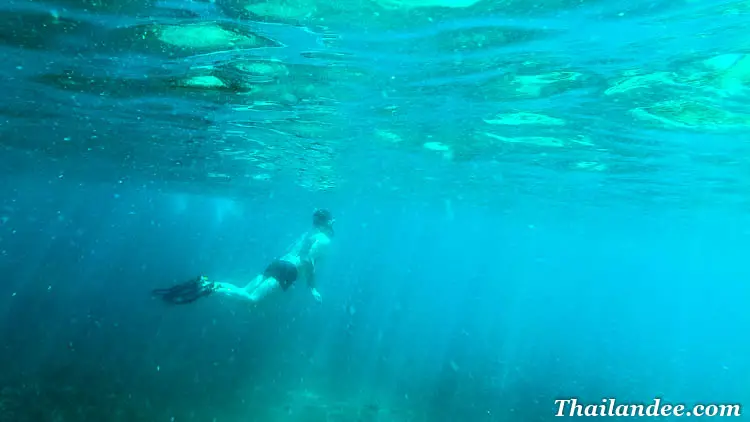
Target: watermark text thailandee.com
[{"x": 610, "y": 407}]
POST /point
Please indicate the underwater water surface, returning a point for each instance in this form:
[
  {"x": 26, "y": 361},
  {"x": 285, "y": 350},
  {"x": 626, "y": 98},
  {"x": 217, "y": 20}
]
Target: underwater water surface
[{"x": 534, "y": 200}]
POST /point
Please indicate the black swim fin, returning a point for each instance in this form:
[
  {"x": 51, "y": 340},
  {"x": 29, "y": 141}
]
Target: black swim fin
[{"x": 187, "y": 292}]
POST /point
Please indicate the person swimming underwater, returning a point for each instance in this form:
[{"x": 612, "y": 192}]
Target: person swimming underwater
[{"x": 300, "y": 261}]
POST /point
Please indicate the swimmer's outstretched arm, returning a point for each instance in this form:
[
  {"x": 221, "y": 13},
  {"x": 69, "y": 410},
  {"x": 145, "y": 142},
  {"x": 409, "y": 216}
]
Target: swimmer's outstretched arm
[
  {"x": 311, "y": 285},
  {"x": 316, "y": 251},
  {"x": 311, "y": 279}
]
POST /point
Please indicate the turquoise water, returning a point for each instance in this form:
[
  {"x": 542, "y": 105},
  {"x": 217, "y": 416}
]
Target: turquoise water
[{"x": 534, "y": 200}]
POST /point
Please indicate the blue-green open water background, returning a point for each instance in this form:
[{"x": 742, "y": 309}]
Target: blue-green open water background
[{"x": 476, "y": 288}]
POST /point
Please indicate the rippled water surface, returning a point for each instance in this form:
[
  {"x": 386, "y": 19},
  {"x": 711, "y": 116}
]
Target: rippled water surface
[{"x": 567, "y": 100}]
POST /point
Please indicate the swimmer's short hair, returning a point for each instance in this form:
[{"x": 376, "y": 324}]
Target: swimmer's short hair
[{"x": 322, "y": 218}]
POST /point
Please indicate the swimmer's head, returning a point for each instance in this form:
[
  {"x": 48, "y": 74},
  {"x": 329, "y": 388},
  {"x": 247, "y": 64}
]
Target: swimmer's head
[{"x": 323, "y": 219}]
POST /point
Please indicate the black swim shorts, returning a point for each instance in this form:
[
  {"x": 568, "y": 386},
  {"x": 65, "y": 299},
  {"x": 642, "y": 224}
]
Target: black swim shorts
[{"x": 283, "y": 271}]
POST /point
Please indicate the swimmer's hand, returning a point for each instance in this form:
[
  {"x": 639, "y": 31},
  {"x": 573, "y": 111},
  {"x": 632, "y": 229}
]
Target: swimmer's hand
[{"x": 316, "y": 295}]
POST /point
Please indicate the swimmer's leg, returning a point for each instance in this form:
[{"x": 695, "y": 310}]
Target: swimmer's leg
[
  {"x": 257, "y": 289},
  {"x": 230, "y": 289},
  {"x": 267, "y": 286}
]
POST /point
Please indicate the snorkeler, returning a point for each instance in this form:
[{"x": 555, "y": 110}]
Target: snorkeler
[{"x": 300, "y": 261}]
